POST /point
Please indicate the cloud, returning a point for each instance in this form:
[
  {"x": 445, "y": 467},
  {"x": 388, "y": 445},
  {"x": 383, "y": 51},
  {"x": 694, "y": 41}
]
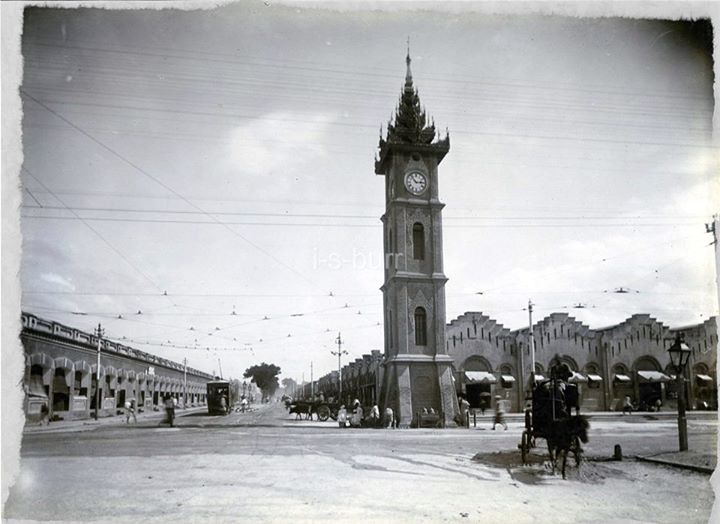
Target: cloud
[
  {"x": 277, "y": 140},
  {"x": 54, "y": 278}
]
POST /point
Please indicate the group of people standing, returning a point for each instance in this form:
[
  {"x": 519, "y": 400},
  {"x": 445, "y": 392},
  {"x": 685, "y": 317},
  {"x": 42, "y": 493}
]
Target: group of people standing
[{"x": 357, "y": 419}]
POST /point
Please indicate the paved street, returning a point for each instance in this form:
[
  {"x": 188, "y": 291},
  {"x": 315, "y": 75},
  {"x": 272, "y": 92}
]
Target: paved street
[{"x": 266, "y": 466}]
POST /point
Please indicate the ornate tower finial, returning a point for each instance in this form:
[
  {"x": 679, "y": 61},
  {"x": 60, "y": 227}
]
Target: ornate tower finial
[{"x": 408, "y": 75}]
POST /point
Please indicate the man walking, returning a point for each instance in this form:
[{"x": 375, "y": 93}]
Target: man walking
[
  {"x": 627, "y": 405},
  {"x": 130, "y": 411},
  {"x": 499, "y": 414}
]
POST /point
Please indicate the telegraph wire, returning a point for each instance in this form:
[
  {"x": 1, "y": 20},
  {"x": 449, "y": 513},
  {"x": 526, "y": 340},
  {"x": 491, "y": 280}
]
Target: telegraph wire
[
  {"x": 374, "y": 226},
  {"x": 165, "y": 186},
  {"x": 374, "y": 127},
  {"x": 293, "y": 91},
  {"x": 371, "y": 217},
  {"x": 97, "y": 233},
  {"x": 36, "y": 200},
  {"x": 704, "y": 129},
  {"x": 386, "y": 72}
]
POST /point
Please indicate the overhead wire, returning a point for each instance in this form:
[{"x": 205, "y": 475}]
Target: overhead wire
[
  {"x": 389, "y": 72},
  {"x": 168, "y": 188},
  {"x": 97, "y": 234}
]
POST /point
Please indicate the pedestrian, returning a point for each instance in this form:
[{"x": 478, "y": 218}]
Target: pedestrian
[
  {"x": 499, "y": 414},
  {"x": 389, "y": 418},
  {"x": 130, "y": 411},
  {"x": 627, "y": 405},
  {"x": 44, "y": 414},
  {"x": 342, "y": 417},
  {"x": 357, "y": 417},
  {"x": 374, "y": 417},
  {"x": 243, "y": 404},
  {"x": 464, "y": 407},
  {"x": 170, "y": 409},
  {"x": 658, "y": 405},
  {"x": 223, "y": 405}
]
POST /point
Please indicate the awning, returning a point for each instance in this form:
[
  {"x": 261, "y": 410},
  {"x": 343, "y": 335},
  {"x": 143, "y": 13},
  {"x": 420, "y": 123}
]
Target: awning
[
  {"x": 577, "y": 377},
  {"x": 704, "y": 378},
  {"x": 622, "y": 378},
  {"x": 594, "y": 378},
  {"x": 507, "y": 378},
  {"x": 36, "y": 387},
  {"x": 653, "y": 376},
  {"x": 480, "y": 377}
]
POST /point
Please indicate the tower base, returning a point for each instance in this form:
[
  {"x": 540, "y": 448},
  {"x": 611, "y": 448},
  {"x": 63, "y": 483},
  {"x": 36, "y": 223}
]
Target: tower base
[{"x": 416, "y": 384}]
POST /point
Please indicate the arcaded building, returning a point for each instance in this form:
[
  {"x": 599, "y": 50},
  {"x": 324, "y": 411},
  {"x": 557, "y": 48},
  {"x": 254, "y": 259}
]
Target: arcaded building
[
  {"x": 61, "y": 374},
  {"x": 609, "y": 363}
]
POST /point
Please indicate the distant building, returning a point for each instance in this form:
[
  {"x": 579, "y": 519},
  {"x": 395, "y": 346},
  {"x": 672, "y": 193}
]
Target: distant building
[
  {"x": 61, "y": 374},
  {"x": 609, "y": 363}
]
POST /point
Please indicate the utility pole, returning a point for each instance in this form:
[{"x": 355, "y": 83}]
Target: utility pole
[
  {"x": 185, "y": 383},
  {"x": 99, "y": 332},
  {"x": 531, "y": 343},
  {"x": 339, "y": 353},
  {"x": 312, "y": 384},
  {"x": 220, "y": 367}
]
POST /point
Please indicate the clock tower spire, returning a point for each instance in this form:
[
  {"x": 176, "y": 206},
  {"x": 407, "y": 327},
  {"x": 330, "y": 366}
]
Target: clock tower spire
[{"x": 418, "y": 370}]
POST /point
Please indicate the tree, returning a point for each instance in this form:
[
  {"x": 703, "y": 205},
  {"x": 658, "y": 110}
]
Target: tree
[
  {"x": 290, "y": 386},
  {"x": 235, "y": 391},
  {"x": 265, "y": 376}
]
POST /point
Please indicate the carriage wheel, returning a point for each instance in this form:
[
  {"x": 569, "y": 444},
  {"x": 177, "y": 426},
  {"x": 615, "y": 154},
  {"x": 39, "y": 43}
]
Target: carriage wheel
[
  {"x": 524, "y": 446},
  {"x": 323, "y": 413}
]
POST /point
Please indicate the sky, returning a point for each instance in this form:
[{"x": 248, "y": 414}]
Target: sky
[{"x": 202, "y": 183}]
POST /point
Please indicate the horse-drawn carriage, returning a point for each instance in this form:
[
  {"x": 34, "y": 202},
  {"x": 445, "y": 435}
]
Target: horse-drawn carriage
[{"x": 550, "y": 417}]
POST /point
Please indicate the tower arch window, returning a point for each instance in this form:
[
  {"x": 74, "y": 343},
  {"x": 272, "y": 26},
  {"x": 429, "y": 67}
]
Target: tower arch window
[
  {"x": 418, "y": 241},
  {"x": 421, "y": 327}
]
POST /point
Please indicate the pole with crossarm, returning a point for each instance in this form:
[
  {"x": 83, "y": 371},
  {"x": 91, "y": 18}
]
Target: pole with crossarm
[
  {"x": 340, "y": 352},
  {"x": 99, "y": 332}
]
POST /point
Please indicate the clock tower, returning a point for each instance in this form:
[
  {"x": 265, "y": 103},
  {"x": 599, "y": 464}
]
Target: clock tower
[{"x": 418, "y": 371}]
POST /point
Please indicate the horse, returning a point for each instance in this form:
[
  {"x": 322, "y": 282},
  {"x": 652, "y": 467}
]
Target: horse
[{"x": 565, "y": 435}]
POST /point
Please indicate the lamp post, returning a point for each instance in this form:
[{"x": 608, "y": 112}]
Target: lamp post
[
  {"x": 244, "y": 388},
  {"x": 679, "y": 355}
]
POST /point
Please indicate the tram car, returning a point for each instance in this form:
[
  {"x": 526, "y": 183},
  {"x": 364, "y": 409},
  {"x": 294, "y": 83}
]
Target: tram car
[{"x": 218, "y": 397}]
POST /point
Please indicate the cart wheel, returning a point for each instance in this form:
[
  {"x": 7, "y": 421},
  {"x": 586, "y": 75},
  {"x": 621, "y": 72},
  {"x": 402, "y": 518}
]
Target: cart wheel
[
  {"x": 323, "y": 413},
  {"x": 524, "y": 446}
]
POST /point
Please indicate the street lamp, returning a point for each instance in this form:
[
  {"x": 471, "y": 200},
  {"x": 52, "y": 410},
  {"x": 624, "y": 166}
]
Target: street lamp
[
  {"x": 679, "y": 355},
  {"x": 244, "y": 387}
]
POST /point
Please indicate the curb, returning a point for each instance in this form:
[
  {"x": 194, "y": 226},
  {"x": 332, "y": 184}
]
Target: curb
[
  {"x": 680, "y": 465},
  {"x": 89, "y": 424}
]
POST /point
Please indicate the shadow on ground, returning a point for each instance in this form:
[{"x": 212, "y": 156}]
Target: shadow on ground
[{"x": 538, "y": 469}]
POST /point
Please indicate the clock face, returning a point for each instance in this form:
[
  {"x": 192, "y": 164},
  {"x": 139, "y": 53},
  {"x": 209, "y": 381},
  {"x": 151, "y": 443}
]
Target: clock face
[{"x": 416, "y": 182}]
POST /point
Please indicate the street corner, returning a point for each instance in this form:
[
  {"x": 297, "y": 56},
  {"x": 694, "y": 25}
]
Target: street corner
[{"x": 688, "y": 460}]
